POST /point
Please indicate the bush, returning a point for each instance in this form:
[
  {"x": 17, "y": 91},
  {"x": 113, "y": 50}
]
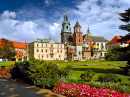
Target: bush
[
  {"x": 20, "y": 59},
  {"x": 109, "y": 78},
  {"x": 87, "y": 76},
  {"x": 36, "y": 72}
]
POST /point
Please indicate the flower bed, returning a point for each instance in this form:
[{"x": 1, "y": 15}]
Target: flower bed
[
  {"x": 77, "y": 90},
  {"x": 2, "y": 72}
]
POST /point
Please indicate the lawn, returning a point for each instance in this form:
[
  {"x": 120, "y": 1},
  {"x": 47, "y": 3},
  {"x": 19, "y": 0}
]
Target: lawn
[
  {"x": 99, "y": 67},
  {"x": 7, "y": 63}
]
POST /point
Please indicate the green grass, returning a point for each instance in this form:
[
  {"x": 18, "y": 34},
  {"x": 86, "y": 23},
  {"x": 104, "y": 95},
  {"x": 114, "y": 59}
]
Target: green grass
[
  {"x": 7, "y": 63},
  {"x": 99, "y": 67}
]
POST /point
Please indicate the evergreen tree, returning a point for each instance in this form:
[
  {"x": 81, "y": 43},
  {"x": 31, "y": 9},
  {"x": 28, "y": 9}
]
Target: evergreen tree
[
  {"x": 7, "y": 49},
  {"x": 126, "y": 18}
]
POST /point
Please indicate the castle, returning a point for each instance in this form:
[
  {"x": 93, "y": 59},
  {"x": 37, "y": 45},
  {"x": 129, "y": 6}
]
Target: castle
[{"x": 79, "y": 46}]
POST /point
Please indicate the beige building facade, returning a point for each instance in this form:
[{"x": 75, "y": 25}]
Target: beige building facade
[
  {"x": 114, "y": 42},
  {"x": 46, "y": 49}
]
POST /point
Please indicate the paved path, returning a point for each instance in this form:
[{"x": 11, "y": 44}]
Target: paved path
[{"x": 10, "y": 88}]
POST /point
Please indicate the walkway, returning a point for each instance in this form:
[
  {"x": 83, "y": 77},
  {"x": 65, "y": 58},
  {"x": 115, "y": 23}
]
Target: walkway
[{"x": 10, "y": 88}]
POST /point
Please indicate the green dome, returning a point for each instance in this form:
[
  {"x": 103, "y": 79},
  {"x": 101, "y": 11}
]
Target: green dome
[
  {"x": 103, "y": 49},
  {"x": 71, "y": 46},
  {"x": 85, "y": 45}
]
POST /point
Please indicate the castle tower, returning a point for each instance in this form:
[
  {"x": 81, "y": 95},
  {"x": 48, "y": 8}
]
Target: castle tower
[
  {"x": 77, "y": 35},
  {"x": 66, "y": 29},
  {"x": 78, "y": 40}
]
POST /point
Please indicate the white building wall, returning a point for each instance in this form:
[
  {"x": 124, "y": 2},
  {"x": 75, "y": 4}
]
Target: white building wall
[{"x": 79, "y": 49}]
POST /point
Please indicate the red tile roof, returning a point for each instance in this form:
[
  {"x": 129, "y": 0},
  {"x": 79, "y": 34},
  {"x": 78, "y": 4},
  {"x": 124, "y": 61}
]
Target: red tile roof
[
  {"x": 114, "y": 40},
  {"x": 18, "y": 44}
]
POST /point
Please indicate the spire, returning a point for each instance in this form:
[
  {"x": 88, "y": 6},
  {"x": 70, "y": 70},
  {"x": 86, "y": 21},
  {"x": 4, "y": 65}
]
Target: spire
[
  {"x": 88, "y": 31},
  {"x": 77, "y": 24}
]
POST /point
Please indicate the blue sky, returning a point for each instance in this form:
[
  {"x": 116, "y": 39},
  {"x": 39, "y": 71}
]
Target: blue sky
[{"x": 27, "y": 20}]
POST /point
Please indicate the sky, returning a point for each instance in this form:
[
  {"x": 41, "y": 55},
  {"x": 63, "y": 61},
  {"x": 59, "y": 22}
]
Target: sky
[{"x": 27, "y": 20}]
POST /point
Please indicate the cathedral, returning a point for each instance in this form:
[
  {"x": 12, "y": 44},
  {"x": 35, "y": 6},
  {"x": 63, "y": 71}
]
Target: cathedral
[{"x": 79, "y": 46}]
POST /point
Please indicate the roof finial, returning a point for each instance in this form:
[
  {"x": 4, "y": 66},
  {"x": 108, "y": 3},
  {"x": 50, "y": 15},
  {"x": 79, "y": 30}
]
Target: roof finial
[{"x": 88, "y": 26}]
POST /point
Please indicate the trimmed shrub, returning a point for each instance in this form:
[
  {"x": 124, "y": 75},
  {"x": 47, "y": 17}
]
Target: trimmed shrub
[
  {"x": 109, "y": 78},
  {"x": 87, "y": 76}
]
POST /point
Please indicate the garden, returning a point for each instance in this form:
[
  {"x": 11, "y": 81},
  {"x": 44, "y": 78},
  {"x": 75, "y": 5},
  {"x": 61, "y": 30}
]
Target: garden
[{"x": 72, "y": 79}]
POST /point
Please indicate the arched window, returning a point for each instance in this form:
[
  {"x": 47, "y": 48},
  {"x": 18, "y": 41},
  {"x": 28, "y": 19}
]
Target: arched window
[
  {"x": 79, "y": 52},
  {"x": 66, "y": 27},
  {"x": 79, "y": 40}
]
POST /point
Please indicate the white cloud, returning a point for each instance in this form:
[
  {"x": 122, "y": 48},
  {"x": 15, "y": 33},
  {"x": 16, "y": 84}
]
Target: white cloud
[
  {"x": 54, "y": 29},
  {"x": 48, "y": 2},
  {"x": 6, "y": 14}
]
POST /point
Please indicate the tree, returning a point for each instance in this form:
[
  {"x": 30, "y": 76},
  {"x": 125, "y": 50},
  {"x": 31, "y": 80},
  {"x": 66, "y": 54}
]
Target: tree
[
  {"x": 7, "y": 49},
  {"x": 126, "y": 18},
  {"x": 116, "y": 55}
]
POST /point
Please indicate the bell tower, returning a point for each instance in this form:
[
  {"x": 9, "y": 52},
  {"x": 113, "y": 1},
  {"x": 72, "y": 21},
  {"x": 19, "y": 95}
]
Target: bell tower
[
  {"x": 77, "y": 35},
  {"x": 78, "y": 40},
  {"x": 66, "y": 29}
]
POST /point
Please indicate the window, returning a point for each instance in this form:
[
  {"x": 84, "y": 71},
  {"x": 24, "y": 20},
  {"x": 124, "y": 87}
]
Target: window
[
  {"x": 38, "y": 55},
  {"x": 41, "y": 50},
  {"x": 66, "y": 27},
  {"x": 110, "y": 46},
  {"x": 105, "y": 54},
  {"x": 52, "y": 51},
  {"x": 47, "y": 56},
  {"x": 76, "y": 29},
  {"x": 61, "y": 51},
  {"x": 101, "y": 53},
  {"x": 51, "y": 45},
  {"x": 46, "y": 50},
  {"x": 37, "y": 45},
  {"x": 42, "y": 56},
  {"x": 102, "y": 45},
  {"x": 46, "y": 45},
  {"x": 97, "y": 44},
  {"x": 79, "y": 29},
  {"x": 57, "y": 51},
  {"x": 37, "y": 50},
  {"x": 51, "y": 56},
  {"x": 58, "y": 46},
  {"x": 79, "y": 53},
  {"x": 79, "y": 35},
  {"x": 79, "y": 40},
  {"x": 61, "y": 46},
  {"x": 42, "y": 45},
  {"x": 59, "y": 56}
]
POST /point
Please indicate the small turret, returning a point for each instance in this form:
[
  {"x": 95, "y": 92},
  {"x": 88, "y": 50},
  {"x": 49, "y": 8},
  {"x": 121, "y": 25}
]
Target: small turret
[{"x": 88, "y": 31}]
